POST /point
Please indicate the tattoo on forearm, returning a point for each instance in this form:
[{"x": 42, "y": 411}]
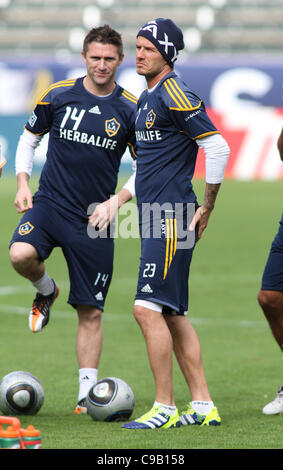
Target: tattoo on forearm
[{"x": 211, "y": 191}]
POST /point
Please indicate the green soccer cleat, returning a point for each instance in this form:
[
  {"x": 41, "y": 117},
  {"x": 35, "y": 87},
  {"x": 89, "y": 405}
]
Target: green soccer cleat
[
  {"x": 190, "y": 416},
  {"x": 155, "y": 419}
]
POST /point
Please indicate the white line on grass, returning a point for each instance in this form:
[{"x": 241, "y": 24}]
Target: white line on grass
[
  {"x": 22, "y": 289},
  {"x": 28, "y": 287},
  {"x": 18, "y": 310}
]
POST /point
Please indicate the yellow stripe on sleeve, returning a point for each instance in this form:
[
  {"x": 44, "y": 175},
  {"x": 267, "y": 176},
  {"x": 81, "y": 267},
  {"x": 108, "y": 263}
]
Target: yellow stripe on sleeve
[
  {"x": 40, "y": 133},
  {"x": 129, "y": 96},
  {"x": 179, "y": 106},
  {"x": 132, "y": 149},
  {"x": 179, "y": 97},
  {"x": 187, "y": 101},
  {"x": 205, "y": 135},
  {"x": 52, "y": 87}
]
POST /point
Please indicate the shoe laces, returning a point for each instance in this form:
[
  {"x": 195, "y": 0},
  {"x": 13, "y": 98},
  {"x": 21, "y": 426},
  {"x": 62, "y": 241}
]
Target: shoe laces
[
  {"x": 149, "y": 414},
  {"x": 82, "y": 402},
  {"x": 42, "y": 303}
]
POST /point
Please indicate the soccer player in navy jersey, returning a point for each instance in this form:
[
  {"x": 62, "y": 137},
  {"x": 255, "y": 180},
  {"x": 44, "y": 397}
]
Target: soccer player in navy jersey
[
  {"x": 90, "y": 122},
  {"x": 171, "y": 125},
  {"x": 270, "y": 296}
]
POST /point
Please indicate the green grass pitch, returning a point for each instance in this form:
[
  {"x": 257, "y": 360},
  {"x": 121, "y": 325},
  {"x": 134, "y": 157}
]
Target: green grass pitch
[{"x": 242, "y": 362}]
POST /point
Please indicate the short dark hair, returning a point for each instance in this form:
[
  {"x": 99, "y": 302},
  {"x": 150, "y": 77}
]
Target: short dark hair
[{"x": 105, "y": 35}]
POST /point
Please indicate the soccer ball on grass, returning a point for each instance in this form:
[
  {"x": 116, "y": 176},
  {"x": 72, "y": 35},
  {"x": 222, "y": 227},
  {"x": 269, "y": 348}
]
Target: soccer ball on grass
[
  {"x": 110, "y": 399},
  {"x": 21, "y": 393}
]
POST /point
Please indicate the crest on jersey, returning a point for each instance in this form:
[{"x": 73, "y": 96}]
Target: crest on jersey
[
  {"x": 32, "y": 120},
  {"x": 150, "y": 118},
  {"x": 25, "y": 228},
  {"x": 112, "y": 126}
]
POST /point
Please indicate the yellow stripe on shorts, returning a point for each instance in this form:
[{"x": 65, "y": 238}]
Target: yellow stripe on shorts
[{"x": 171, "y": 243}]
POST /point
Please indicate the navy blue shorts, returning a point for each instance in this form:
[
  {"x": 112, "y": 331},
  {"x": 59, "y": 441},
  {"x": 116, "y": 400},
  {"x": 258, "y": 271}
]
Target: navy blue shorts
[
  {"x": 165, "y": 264},
  {"x": 89, "y": 260},
  {"x": 272, "y": 278}
]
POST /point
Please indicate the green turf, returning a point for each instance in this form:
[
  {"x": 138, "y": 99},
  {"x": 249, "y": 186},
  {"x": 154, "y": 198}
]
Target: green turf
[{"x": 243, "y": 364}]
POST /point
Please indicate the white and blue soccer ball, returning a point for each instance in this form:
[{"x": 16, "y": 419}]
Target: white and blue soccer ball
[
  {"x": 21, "y": 393},
  {"x": 110, "y": 399}
]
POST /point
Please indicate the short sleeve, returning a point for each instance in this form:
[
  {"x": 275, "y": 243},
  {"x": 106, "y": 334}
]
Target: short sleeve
[
  {"x": 40, "y": 120},
  {"x": 186, "y": 109}
]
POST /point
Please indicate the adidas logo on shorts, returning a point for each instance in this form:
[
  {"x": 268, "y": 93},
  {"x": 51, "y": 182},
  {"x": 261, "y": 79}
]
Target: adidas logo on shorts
[
  {"x": 99, "y": 296},
  {"x": 147, "y": 288}
]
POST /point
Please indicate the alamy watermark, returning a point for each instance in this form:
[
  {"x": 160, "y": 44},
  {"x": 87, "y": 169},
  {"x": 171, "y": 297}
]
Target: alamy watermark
[{"x": 155, "y": 220}]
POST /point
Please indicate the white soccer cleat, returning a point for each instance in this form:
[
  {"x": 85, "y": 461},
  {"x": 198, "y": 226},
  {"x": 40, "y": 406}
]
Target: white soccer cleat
[
  {"x": 81, "y": 408},
  {"x": 275, "y": 407},
  {"x": 39, "y": 314}
]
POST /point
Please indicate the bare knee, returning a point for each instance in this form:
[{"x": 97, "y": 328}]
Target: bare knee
[
  {"x": 271, "y": 302},
  {"x": 147, "y": 318},
  {"x": 140, "y": 314},
  {"x": 265, "y": 298},
  {"x": 22, "y": 254},
  {"x": 89, "y": 314}
]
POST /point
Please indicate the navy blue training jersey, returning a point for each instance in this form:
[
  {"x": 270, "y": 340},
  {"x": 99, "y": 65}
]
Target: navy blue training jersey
[
  {"x": 88, "y": 135},
  {"x": 170, "y": 118}
]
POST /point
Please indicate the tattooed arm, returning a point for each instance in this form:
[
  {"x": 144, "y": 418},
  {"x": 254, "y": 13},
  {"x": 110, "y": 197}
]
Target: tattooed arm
[
  {"x": 216, "y": 155},
  {"x": 211, "y": 191},
  {"x": 203, "y": 212}
]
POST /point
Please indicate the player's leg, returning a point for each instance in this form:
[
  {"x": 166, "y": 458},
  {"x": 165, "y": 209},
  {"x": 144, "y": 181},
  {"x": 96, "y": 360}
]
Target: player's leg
[
  {"x": 171, "y": 292},
  {"x": 148, "y": 314},
  {"x": 89, "y": 336},
  {"x": 270, "y": 298},
  {"x": 29, "y": 247},
  {"x": 25, "y": 260},
  {"x": 88, "y": 349},
  {"x": 201, "y": 409},
  {"x": 90, "y": 264},
  {"x": 188, "y": 353},
  {"x": 271, "y": 303},
  {"x": 164, "y": 413},
  {"x": 159, "y": 348}
]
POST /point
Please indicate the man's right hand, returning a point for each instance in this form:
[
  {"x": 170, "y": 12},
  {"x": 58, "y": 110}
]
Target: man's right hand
[{"x": 23, "y": 200}]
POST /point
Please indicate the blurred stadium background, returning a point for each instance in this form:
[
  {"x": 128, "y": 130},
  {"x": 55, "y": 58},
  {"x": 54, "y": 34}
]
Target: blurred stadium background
[{"x": 233, "y": 59}]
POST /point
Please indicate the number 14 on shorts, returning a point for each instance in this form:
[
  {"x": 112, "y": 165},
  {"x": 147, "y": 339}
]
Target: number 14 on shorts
[{"x": 102, "y": 278}]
